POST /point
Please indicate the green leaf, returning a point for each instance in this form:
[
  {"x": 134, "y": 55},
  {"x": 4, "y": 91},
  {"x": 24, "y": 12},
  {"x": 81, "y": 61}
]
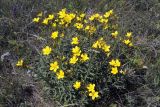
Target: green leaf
[
  {"x": 12, "y": 42},
  {"x": 1, "y": 37},
  {"x": 157, "y": 80},
  {"x": 113, "y": 105}
]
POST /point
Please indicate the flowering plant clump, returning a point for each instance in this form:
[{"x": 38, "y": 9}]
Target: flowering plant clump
[{"x": 83, "y": 55}]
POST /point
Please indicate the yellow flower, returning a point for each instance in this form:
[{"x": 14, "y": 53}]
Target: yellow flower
[
  {"x": 78, "y": 18},
  {"x": 96, "y": 15},
  {"x": 127, "y": 42},
  {"x": 76, "y": 51},
  {"x": 40, "y": 14},
  {"x": 92, "y": 29},
  {"x": 77, "y": 85},
  {"x": 45, "y": 21},
  {"x": 102, "y": 45},
  {"x": 87, "y": 27},
  {"x": 94, "y": 94},
  {"x": 60, "y": 74},
  {"x": 75, "y": 41},
  {"x": 115, "y": 63},
  {"x": 114, "y": 70},
  {"x": 65, "y": 18},
  {"x": 106, "y": 48},
  {"x": 131, "y": 44},
  {"x": 54, "y": 66},
  {"x": 78, "y": 25},
  {"x": 85, "y": 21},
  {"x": 114, "y": 34},
  {"x": 108, "y": 14},
  {"x": 50, "y": 17},
  {"x": 95, "y": 44},
  {"x": 91, "y": 18},
  {"x": 101, "y": 20},
  {"x": 129, "y": 34},
  {"x": 106, "y": 26},
  {"x": 19, "y": 63},
  {"x": 84, "y": 57},
  {"x": 62, "y": 13},
  {"x": 69, "y": 17},
  {"x": 73, "y": 60},
  {"x": 61, "y": 22},
  {"x": 54, "y": 35},
  {"x": 54, "y": 24},
  {"x": 112, "y": 62},
  {"x": 82, "y": 15},
  {"x": 63, "y": 58},
  {"x": 106, "y": 21},
  {"x": 118, "y": 63},
  {"x": 36, "y": 20},
  {"x": 111, "y": 12},
  {"x": 47, "y": 50},
  {"x": 108, "y": 54},
  {"x": 66, "y": 25},
  {"x": 91, "y": 87}
]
